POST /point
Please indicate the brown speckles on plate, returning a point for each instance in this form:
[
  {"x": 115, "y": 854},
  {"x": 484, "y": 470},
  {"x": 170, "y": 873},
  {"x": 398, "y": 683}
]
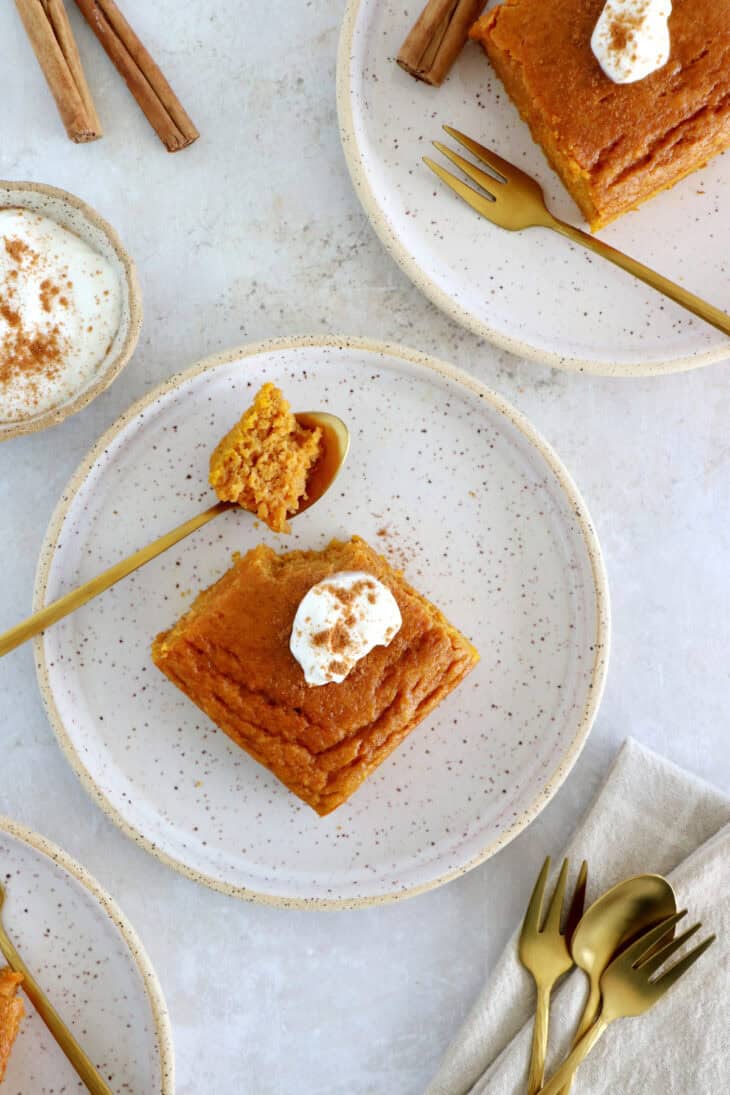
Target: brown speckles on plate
[
  {"x": 492, "y": 531},
  {"x": 90, "y": 962}
]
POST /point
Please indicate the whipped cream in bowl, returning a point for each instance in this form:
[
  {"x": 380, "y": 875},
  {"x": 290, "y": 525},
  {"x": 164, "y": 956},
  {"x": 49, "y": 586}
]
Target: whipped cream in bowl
[
  {"x": 631, "y": 39},
  {"x": 70, "y": 309},
  {"x": 339, "y": 621}
]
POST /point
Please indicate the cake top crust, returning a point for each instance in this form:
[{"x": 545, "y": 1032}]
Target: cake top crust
[
  {"x": 610, "y": 128},
  {"x": 243, "y": 626}
]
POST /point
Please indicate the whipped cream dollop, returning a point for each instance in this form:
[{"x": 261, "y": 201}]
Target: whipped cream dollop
[
  {"x": 339, "y": 621},
  {"x": 60, "y": 308},
  {"x": 631, "y": 38}
]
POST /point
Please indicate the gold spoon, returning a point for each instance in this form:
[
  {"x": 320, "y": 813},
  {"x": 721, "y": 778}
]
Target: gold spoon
[
  {"x": 619, "y": 916},
  {"x": 336, "y": 438},
  {"x": 50, "y": 1016}
]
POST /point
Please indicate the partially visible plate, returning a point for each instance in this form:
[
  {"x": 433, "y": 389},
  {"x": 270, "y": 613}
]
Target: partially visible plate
[
  {"x": 90, "y": 963},
  {"x": 530, "y": 292},
  {"x": 453, "y": 485}
]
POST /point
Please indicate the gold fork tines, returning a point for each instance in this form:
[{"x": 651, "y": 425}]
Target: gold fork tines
[
  {"x": 629, "y": 987},
  {"x": 512, "y": 199},
  {"x": 73, "y": 1051},
  {"x": 544, "y": 951}
]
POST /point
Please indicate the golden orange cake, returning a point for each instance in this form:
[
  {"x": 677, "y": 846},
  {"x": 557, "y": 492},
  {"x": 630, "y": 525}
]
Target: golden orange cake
[
  {"x": 11, "y": 1012},
  {"x": 614, "y": 145},
  {"x": 264, "y": 462},
  {"x": 230, "y": 654}
]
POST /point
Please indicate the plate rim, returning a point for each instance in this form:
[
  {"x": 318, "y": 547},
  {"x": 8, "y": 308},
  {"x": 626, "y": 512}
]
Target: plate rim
[
  {"x": 532, "y": 435},
  {"x": 138, "y": 954},
  {"x": 392, "y": 243}
]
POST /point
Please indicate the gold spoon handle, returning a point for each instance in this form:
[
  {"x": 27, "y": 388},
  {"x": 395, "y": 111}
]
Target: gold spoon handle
[
  {"x": 575, "y": 1058},
  {"x": 590, "y": 1014},
  {"x": 536, "y": 1074},
  {"x": 53, "y": 1021},
  {"x": 692, "y": 303},
  {"x": 77, "y": 597}
]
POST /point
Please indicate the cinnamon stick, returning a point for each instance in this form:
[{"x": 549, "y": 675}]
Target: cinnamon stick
[
  {"x": 56, "y": 12},
  {"x": 144, "y": 79},
  {"x": 51, "y": 37},
  {"x": 438, "y": 37}
]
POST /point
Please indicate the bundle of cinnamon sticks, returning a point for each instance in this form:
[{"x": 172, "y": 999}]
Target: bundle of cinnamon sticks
[
  {"x": 48, "y": 28},
  {"x": 438, "y": 37}
]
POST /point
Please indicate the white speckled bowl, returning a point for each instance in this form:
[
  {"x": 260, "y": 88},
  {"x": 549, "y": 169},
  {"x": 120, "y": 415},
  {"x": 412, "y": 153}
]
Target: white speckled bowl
[
  {"x": 452, "y": 484},
  {"x": 530, "y": 292},
  {"x": 78, "y": 217},
  {"x": 89, "y": 961}
]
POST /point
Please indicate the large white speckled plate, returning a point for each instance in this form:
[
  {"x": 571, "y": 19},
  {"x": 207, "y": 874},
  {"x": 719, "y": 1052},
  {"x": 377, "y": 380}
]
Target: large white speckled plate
[
  {"x": 453, "y": 485},
  {"x": 90, "y": 963},
  {"x": 530, "y": 292}
]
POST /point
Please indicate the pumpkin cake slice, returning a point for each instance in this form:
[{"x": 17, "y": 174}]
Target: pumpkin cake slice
[
  {"x": 263, "y": 463},
  {"x": 614, "y": 145},
  {"x": 230, "y": 654},
  {"x": 11, "y": 1013}
]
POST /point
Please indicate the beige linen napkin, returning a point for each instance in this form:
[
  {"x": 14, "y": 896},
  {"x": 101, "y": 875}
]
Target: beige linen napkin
[{"x": 650, "y": 816}]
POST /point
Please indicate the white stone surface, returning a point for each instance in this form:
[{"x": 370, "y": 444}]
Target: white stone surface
[{"x": 255, "y": 232}]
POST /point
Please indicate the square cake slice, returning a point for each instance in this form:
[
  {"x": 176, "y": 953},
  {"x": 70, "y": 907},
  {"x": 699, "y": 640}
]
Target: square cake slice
[
  {"x": 11, "y": 1013},
  {"x": 613, "y": 145},
  {"x": 230, "y": 654}
]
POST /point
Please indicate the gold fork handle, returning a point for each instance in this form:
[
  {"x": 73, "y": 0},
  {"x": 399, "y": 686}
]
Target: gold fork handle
[
  {"x": 575, "y": 1058},
  {"x": 54, "y": 1022},
  {"x": 692, "y": 303},
  {"x": 536, "y": 1074},
  {"x": 591, "y": 1011},
  {"x": 77, "y": 597}
]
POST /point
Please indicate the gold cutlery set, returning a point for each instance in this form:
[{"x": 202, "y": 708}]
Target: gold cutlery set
[{"x": 621, "y": 943}]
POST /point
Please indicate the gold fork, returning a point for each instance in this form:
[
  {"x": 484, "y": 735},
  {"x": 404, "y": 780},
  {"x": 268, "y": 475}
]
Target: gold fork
[
  {"x": 627, "y": 987},
  {"x": 85, "y": 1069},
  {"x": 544, "y": 952},
  {"x": 514, "y": 200}
]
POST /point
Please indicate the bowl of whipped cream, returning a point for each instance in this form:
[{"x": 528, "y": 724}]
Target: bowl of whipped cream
[{"x": 70, "y": 307}]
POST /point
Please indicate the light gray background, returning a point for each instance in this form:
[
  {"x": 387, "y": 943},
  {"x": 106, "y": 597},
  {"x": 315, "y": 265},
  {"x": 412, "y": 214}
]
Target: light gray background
[{"x": 255, "y": 232}]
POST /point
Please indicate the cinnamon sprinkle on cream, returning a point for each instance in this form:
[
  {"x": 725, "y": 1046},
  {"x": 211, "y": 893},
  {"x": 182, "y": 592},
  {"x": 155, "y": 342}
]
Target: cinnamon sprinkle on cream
[
  {"x": 631, "y": 38},
  {"x": 339, "y": 621},
  {"x": 53, "y": 335}
]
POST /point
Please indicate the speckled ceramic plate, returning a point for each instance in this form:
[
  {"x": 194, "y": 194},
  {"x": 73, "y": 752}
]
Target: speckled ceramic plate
[
  {"x": 455, "y": 487},
  {"x": 530, "y": 292},
  {"x": 91, "y": 965}
]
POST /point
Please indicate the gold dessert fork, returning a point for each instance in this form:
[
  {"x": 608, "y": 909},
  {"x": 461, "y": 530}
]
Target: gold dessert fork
[
  {"x": 627, "y": 987},
  {"x": 514, "y": 200},
  {"x": 544, "y": 952},
  {"x": 49, "y": 1015}
]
